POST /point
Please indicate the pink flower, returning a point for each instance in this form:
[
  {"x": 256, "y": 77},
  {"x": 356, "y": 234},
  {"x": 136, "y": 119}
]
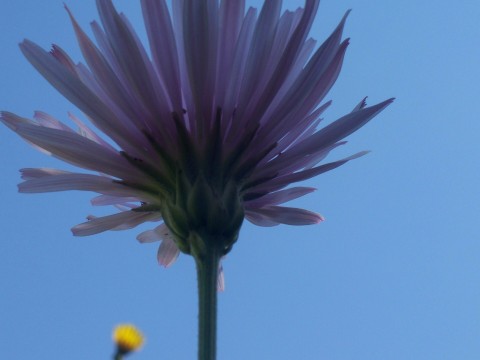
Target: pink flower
[{"x": 208, "y": 128}]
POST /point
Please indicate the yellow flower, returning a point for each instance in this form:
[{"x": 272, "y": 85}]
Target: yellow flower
[{"x": 128, "y": 338}]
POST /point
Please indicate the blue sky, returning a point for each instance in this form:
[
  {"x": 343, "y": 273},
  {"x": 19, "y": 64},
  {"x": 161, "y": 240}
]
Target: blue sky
[{"x": 393, "y": 272}]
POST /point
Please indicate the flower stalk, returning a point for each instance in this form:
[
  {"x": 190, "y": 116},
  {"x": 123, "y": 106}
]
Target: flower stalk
[{"x": 207, "y": 264}]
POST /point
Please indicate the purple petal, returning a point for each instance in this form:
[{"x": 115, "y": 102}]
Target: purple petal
[
  {"x": 35, "y": 173},
  {"x": 304, "y": 96},
  {"x": 200, "y": 36},
  {"x": 260, "y": 49},
  {"x": 278, "y": 197},
  {"x": 70, "y": 181},
  {"x": 62, "y": 57},
  {"x": 162, "y": 43},
  {"x": 238, "y": 68},
  {"x": 85, "y": 131},
  {"x": 49, "y": 121},
  {"x": 134, "y": 221},
  {"x": 339, "y": 129},
  {"x": 78, "y": 93},
  {"x": 289, "y": 216},
  {"x": 103, "y": 200},
  {"x": 294, "y": 73},
  {"x": 362, "y": 104},
  {"x": 73, "y": 148},
  {"x": 167, "y": 252},
  {"x": 287, "y": 163},
  {"x": 306, "y": 81},
  {"x": 148, "y": 236},
  {"x": 288, "y": 57},
  {"x": 119, "y": 221},
  {"x": 230, "y": 22},
  {"x": 303, "y": 130},
  {"x": 104, "y": 74},
  {"x": 282, "y": 181},
  {"x": 129, "y": 57},
  {"x": 220, "y": 278},
  {"x": 259, "y": 219}
]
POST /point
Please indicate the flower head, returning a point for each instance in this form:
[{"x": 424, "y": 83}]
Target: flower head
[
  {"x": 208, "y": 128},
  {"x": 127, "y": 338}
]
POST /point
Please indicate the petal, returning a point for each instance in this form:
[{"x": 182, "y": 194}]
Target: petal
[
  {"x": 303, "y": 129},
  {"x": 282, "y": 181},
  {"x": 235, "y": 76},
  {"x": 311, "y": 76},
  {"x": 119, "y": 221},
  {"x": 287, "y": 60},
  {"x": 134, "y": 221},
  {"x": 200, "y": 36},
  {"x": 104, "y": 74},
  {"x": 35, "y": 173},
  {"x": 220, "y": 278},
  {"x": 85, "y": 131},
  {"x": 305, "y": 94},
  {"x": 290, "y": 216},
  {"x": 49, "y": 121},
  {"x": 230, "y": 22},
  {"x": 286, "y": 163},
  {"x": 294, "y": 73},
  {"x": 103, "y": 200},
  {"x": 162, "y": 44},
  {"x": 260, "y": 49},
  {"x": 259, "y": 219},
  {"x": 128, "y": 54},
  {"x": 278, "y": 197},
  {"x": 256, "y": 65},
  {"x": 70, "y": 86},
  {"x": 360, "y": 105},
  {"x": 63, "y": 58},
  {"x": 125, "y": 206},
  {"x": 339, "y": 129},
  {"x": 291, "y": 164},
  {"x": 72, "y": 148},
  {"x": 51, "y": 180},
  {"x": 69, "y": 181},
  {"x": 163, "y": 232},
  {"x": 148, "y": 236},
  {"x": 167, "y": 252}
]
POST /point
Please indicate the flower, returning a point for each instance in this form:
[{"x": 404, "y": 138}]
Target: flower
[
  {"x": 208, "y": 129},
  {"x": 127, "y": 338}
]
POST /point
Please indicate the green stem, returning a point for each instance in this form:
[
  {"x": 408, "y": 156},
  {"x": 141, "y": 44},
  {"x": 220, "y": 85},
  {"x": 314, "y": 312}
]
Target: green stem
[
  {"x": 207, "y": 272},
  {"x": 118, "y": 356}
]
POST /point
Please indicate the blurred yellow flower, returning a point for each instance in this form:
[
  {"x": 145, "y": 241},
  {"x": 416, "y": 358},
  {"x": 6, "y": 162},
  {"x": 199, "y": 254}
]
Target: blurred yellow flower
[{"x": 128, "y": 338}]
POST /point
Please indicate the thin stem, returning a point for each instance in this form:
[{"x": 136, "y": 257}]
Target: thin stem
[
  {"x": 207, "y": 272},
  {"x": 118, "y": 356}
]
